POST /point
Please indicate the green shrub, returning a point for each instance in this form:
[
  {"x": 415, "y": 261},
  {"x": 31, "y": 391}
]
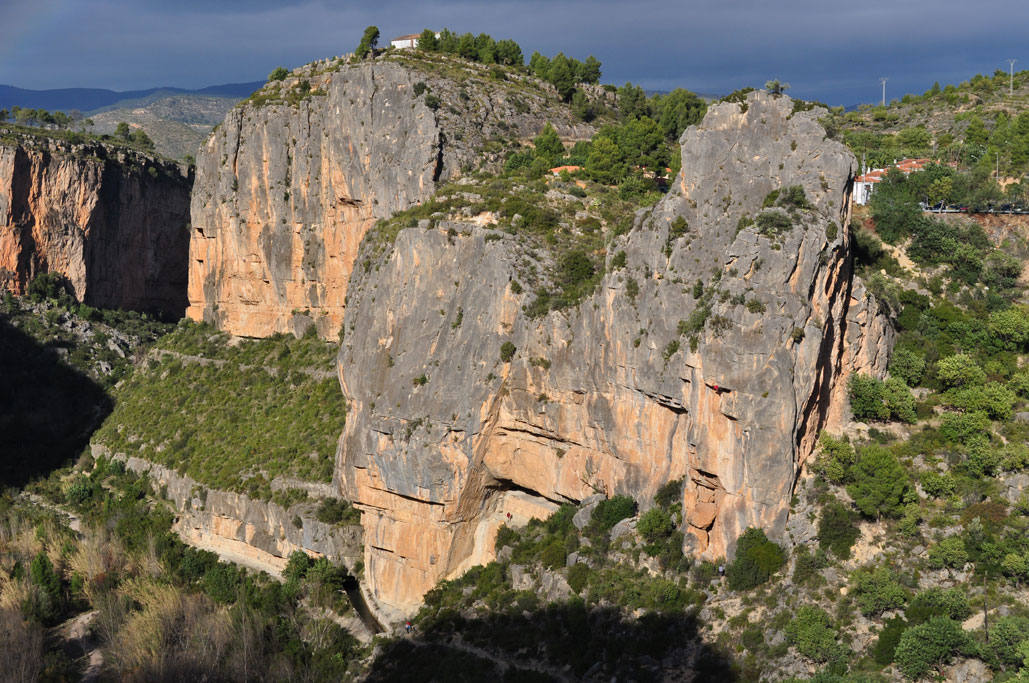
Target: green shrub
[
  {"x": 1007, "y": 637},
  {"x": 928, "y": 645},
  {"x": 872, "y": 399},
  {"x": 959, "y": 370},
  {"x": 837, "y": 530},
  {"x": 611, "y": 511},
  {"x": 507, "y": 352},
  {"x": 80, "y": 490},
  {"x": 807, "y": 565},
  {"x": 992, "y": 398},
  {"x": 937, "y": 485},
  {"x": 51, "y": 286},
  {"x": 886, "y": 644},
  {"x": 553, "y": 554},
  {"x": 655, "y": 525},
  {"x": 506, "y": 536},
  {"x": 907, "y": 364},
  {"x": 337, "y": 511},
  {"x": 278, "y": 74},
  {"x": 773, "y": 223},
  {"x": 669, "y": 493},
  {"x": 878, "y": 483},
  {"x": 46, "y": 605},
  {"x": 578, "y": 577},
  {"x": 793, "y": 197},
  {"x": 938, "y": 602},
  {"x": 811, "y": 632},
  {"x": 296, "y": 566},
  {"x": 898, "y": 400},
  {"x": 835, "y": 460},
  {"x": 757, "y": 558},
  {"x": 960, "y": 428},
  {"x": 222, "y": 582},
  {"x": 950, "y": 552},
  {"x": 867, "y": 396},
  {"x": 877, "y": 589}
]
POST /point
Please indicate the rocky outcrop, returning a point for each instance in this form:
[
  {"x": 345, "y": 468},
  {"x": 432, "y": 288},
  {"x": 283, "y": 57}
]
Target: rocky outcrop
[
  {"x": 641, "y": 384},
  {"x": 255, "y": 533},
  {"x": 114, "y": 222},
  {"x": 291, "y": 181}
]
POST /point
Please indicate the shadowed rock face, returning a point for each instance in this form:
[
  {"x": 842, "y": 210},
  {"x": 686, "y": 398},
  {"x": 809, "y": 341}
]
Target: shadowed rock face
[
  {"x": 113, "y": 222},
  {"x": 285, "y": 193},
  {"x": 436, "y": 466}
]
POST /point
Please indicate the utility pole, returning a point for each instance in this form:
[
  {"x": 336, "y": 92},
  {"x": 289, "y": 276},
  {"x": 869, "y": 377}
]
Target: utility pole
[
  {"x": 883, "y": 81},
  {"x": 1011, "y": 76}
]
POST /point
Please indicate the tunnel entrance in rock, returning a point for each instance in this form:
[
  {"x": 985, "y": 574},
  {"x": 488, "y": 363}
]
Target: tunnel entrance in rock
[{"x": 352, "y": 587}]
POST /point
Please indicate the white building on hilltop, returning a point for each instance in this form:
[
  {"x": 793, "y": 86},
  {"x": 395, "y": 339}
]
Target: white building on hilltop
[{"x": 405, "y": 42}]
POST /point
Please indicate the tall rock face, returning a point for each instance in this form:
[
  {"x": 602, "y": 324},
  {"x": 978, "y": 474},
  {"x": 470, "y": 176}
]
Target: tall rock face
[
  {"x": 113, "y": 221},
  {"x": 641, "y": 384},
  {"x": 291, "y": 181}
]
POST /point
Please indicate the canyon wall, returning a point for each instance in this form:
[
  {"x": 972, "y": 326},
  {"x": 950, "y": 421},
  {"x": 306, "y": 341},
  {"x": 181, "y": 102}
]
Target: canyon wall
[
  {"x": 624, "y": 392},
  {"x": 256, "y": 533},
  {"x": 291, "y": 181},
  {"x": 113, "y": 221}
]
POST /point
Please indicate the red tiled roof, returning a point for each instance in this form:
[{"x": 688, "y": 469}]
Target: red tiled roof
[{"x": 905, "y": 166}]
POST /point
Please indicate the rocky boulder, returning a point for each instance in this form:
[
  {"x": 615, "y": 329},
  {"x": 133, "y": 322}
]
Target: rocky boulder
[{"x": 717, "y": 354}]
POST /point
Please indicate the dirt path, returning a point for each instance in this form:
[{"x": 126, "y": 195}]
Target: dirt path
[
  {"x": 74, "y": 523},
  {"x": 77, "y": 641}
]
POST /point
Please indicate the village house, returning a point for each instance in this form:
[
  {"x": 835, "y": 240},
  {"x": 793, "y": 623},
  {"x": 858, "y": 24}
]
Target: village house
[
  {"x": 408, "y": 42},
  {"x": 405, "y": 42},
  {"x": 865, "y": 183}
]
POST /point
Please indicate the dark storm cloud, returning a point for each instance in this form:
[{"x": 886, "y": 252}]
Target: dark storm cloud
[{"x": 830, "y": 51}]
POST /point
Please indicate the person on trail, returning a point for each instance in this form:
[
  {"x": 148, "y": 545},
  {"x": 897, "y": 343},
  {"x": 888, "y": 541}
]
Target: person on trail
[
  {"x": 721, "y": 570},
  {"x": 407, "y": 626},
  {"x": 509, "y": 516}
]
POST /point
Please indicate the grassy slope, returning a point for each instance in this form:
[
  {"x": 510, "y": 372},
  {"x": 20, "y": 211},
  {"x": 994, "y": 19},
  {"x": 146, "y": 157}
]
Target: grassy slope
[{"x": 233, "y": 416}]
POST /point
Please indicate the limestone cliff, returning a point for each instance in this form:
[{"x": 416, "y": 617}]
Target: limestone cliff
[
  {"x": 113, "y": 221},
  {"x": 292, "y": 179},
  {"x": 654, "y": 377}
]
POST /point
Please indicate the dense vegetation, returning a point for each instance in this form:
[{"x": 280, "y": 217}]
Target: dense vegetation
[
  {"x": 977, "y": 124},
  {"x": 155, "y": 608},
  {"x": 232, "y": 416},
  {"x": 70, "y": 127},
  {"x": 908, "y": 547}
]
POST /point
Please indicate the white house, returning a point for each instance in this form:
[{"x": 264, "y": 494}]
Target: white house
[
  {"x": 405, "y": 42},
  {"x": 865, "y": 183}
]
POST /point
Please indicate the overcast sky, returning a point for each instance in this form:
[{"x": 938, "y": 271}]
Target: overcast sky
[{"x": 830, "y": 51}]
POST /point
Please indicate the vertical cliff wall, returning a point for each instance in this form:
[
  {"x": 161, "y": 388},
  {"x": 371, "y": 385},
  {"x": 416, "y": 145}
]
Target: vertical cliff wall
[
  {"x": 627, "y": 391},
  {"x": 291, "y": 181},
  {"x": 114, "y": 222}
]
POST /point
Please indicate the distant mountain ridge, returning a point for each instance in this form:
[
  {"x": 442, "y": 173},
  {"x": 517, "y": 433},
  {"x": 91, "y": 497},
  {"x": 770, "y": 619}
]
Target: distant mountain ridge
[{"x": 91, "y": 99}]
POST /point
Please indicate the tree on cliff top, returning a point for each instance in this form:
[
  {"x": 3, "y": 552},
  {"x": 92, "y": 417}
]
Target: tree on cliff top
[
  {"x": 369, "y": 41},
  {"x": 776, "y": 87}
]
